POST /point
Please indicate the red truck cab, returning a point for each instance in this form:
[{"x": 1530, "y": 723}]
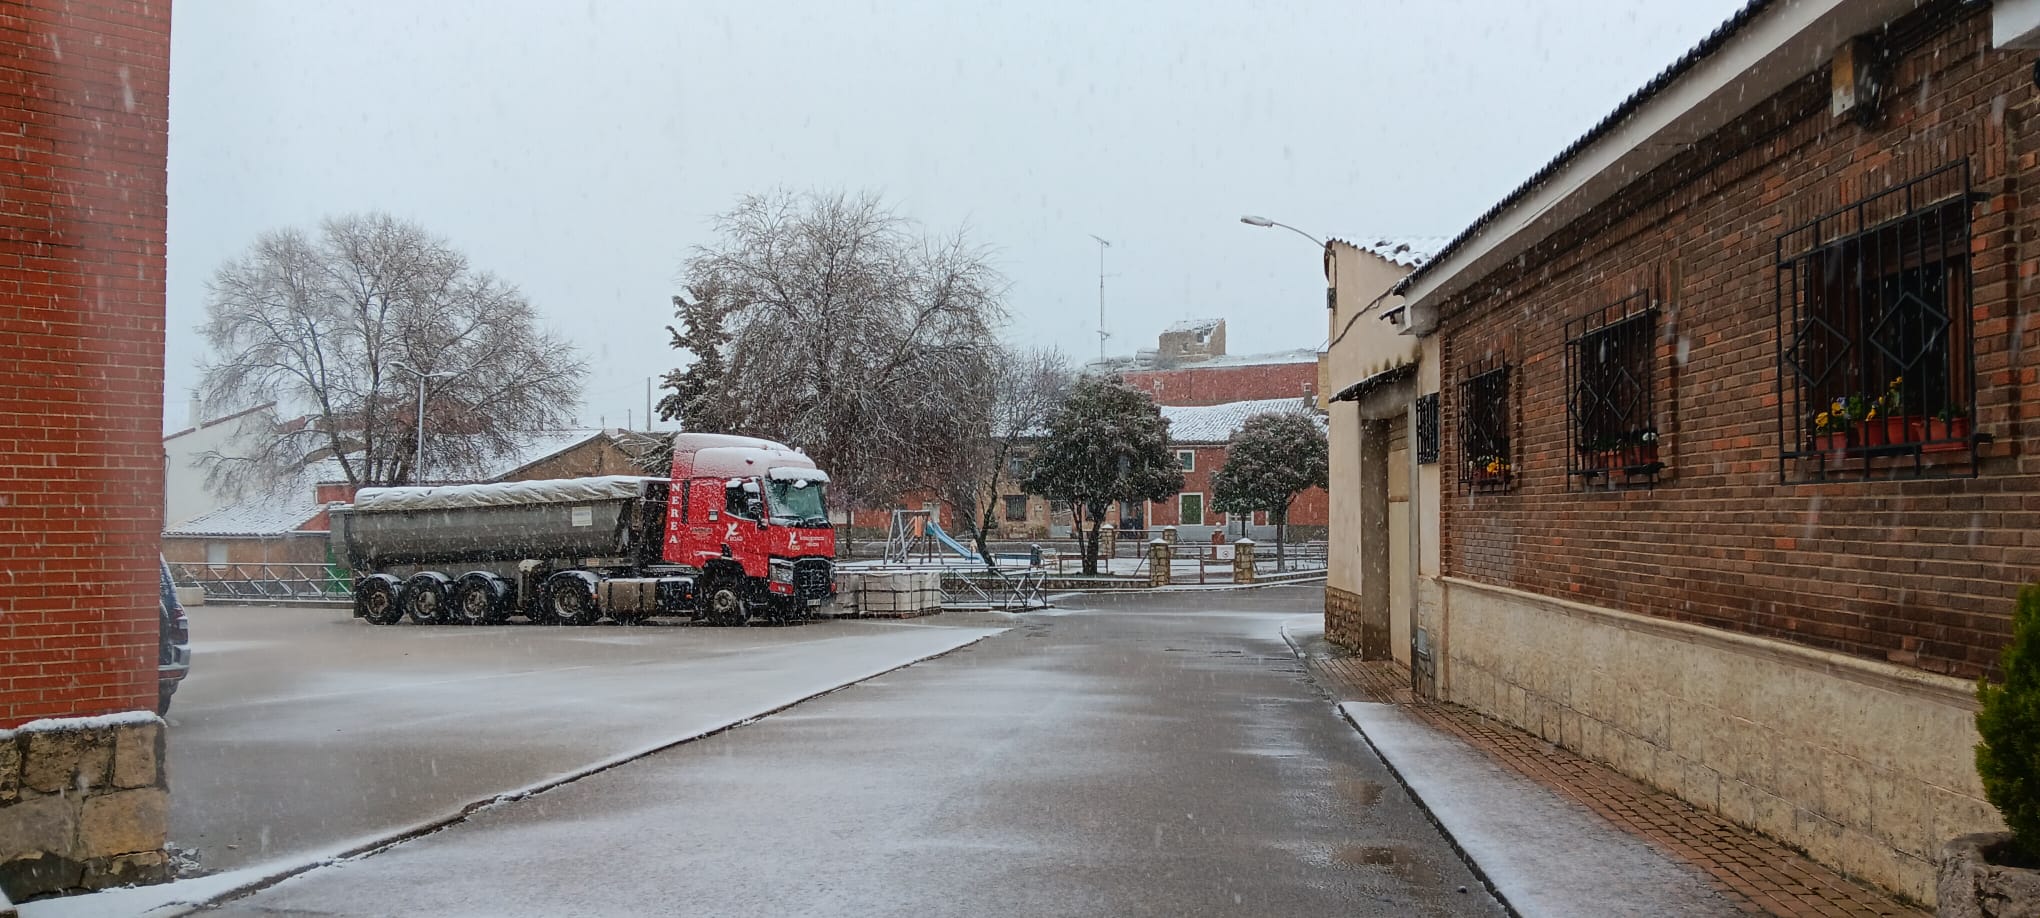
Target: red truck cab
[{"x": 750, "y": 514}]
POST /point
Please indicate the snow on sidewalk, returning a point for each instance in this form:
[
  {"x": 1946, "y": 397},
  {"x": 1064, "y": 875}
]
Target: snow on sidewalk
[{"x": 1544, "y": 854}]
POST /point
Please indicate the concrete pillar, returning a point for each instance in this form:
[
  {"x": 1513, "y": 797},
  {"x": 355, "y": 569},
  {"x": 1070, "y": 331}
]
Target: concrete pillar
[
  {"x": 1373, "y": 541},
  {"x": 1108, "y": 540},
  {"x": 1160, "y": 556},
  {"x": 1243, "y": 561}
]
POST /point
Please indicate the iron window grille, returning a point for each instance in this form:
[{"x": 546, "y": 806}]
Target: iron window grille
[
  {"x": 1610, "y": 384},
  {"x": 1427, "y": 429},
  {"x": 1875, "y": 376},
  {"x": 1486, "y": 463}
]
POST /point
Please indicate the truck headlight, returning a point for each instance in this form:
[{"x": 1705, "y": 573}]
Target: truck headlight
[{"x": 782, "y": 572}]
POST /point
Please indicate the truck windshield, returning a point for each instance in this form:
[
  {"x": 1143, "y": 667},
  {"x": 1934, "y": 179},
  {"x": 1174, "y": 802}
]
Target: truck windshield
[{"x": 798, "y": 503}]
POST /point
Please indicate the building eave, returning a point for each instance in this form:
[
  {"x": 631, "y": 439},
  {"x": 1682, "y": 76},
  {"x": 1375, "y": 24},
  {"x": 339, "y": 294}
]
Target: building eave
[{"x": 1762, "y": 49}]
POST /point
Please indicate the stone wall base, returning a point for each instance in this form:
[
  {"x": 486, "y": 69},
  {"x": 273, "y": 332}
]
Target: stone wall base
[
  {"x": 84, "y": 805},
  {"x": 1346, "y": 626},
  {"x": 1866, "y": 766}
]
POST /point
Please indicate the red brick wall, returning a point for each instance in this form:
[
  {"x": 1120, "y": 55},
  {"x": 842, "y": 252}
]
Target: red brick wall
[
  {"x": 81, "y": 325},
  {"x": 1217, "y": 385},
  {"x": 1312, "y": 507},
  {"x": 1918, "y": 572}
]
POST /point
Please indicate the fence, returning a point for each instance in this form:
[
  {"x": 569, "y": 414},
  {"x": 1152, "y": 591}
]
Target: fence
[{"x": 296, "y": 582}]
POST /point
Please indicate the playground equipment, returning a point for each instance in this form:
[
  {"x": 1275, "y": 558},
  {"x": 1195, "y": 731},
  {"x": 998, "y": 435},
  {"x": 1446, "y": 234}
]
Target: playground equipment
[{"x": 917, "y": 532}]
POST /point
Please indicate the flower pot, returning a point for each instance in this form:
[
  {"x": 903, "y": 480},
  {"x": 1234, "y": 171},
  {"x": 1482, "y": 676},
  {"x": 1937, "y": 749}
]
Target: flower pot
[
  {"x": 1605, "y": 459},
  {"x": 1836, "y": 442},
  {"x": 1969, "y": 885},
  {"x": 1885, "y": 431},
  {"x": 1938, "y": 435},
  {"x": 1486, "y": 479},
  {"x": 1639, "y": 455}
]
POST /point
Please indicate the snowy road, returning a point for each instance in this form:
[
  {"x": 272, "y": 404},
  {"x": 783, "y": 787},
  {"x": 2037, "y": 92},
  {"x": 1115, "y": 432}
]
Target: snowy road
[
  {"x": 305, "y": 731},
  {"x": 1158, "y": 755}
]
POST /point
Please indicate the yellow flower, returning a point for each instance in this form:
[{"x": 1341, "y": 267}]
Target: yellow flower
[
  {"x": 1872, "y": 415},
  {"x": 1821, "y": 419},
  {"x": 1897, "y": 381}
]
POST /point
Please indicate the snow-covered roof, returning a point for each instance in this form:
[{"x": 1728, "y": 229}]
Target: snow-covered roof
[
  {"x": 1408, "y": 251},
  {"x": 1298, "y": 355},
  {"x": 280, "y": 510},
  {"x": 1218, "y": 423},
  {"x": 1193, "y": 325}
]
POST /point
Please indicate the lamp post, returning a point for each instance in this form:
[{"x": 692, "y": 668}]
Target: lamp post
[
  {"x": 418, "y": 462},
  {"x": 1265, "y": 223}
]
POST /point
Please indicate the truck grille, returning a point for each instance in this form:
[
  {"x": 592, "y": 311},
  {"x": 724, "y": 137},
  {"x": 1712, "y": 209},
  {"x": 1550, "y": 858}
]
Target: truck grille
[{"x": 811, "y": 578}]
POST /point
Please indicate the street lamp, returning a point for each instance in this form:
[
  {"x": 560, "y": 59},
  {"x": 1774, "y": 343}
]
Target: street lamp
[
  {"x": 1264, "y": 223},
  {"x": 418, "y": 463}
]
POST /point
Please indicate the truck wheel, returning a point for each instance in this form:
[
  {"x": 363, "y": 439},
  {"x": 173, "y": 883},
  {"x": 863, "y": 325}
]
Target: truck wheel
[
  {"x": 724, "y": 599},
  {"x": 478, "y": 600},
  {"x": 571, "y": 600},
  {"x": 375, "y": 600},
  {"x": 425, "y": 598}
]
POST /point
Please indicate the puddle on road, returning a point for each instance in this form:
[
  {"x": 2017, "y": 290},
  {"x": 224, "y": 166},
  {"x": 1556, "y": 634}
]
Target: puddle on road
[
  {"x": 1360, "y": 790},
  {"x": 1395, "y": 860}
]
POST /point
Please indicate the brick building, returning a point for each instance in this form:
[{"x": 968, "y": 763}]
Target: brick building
[
  {"x": 1199, "y": 435},
  {"x": 1663, "y": 528},
  {"x": 81, "y": 472},
  {"x": 1188, "y": 371}
]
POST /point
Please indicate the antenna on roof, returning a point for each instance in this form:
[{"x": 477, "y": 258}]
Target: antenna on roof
[{"x": 1102, "y": 333}]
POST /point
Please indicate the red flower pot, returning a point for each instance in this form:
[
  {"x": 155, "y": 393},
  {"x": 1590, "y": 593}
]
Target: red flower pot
[
  {"x": 1885, "y": 431},
  {"x": 1937, "y": 435},
  {"x": 1639, "y": 455}
]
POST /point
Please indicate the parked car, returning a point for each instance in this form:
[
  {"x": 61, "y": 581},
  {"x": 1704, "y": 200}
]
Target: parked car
[{"x": 173, "y": 647}]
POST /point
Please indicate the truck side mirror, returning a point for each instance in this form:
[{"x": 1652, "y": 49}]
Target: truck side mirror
[
  {"x": 714, "y": 515},
  {"x": 755, "y": 509}
]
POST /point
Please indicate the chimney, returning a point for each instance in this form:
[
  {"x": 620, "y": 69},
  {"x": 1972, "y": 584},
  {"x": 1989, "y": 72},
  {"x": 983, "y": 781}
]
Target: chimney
[{"x": 197, "y": 409}]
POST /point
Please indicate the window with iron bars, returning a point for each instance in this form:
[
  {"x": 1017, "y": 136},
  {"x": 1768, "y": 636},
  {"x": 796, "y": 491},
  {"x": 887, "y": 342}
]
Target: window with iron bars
[
  {"x": 1427, "y": 429},
  {"x": 1486, "y": 464},
  {"x": 1874, "y": 347},
  {"x": 1610, "y": 370}
]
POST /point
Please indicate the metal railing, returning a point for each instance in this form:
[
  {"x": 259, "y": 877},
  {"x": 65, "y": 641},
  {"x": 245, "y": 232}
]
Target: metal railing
[
  {"x": 271, "y": 581},
  {"x": 1007, "y": 591}
]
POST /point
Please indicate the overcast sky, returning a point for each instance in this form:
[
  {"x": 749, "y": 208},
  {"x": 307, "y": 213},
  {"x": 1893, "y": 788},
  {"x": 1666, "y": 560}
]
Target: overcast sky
[{"x": 578, "y": 148}]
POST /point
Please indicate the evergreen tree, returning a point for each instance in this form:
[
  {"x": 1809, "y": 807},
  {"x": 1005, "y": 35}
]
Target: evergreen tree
[
  {"x": 695, "y": 393},
  {"x": 1107, "y": 443},
  {"x": 2008, "y": 720},
  {"x": 1273, "y": 458}
]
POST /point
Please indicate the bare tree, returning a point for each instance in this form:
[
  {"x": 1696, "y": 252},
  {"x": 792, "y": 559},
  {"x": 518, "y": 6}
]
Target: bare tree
[
  {"x": 852, "y": 335},
  {"x": 1025, "y": 388},
  {"x": 320, "y": 322}
]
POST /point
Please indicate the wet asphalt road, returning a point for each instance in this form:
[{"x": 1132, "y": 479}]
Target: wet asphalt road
[
  {"x": 1159, "y": 755},
  {"x": 302, "y": 732}
]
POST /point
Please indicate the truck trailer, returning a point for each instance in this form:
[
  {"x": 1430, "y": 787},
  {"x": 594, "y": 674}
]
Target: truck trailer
[{"x": 737, "y": 533}]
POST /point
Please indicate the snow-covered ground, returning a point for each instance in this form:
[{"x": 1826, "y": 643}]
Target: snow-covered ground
[
  {"x": 1545, "y": 854},
  {"x": 303, "y": 734}
]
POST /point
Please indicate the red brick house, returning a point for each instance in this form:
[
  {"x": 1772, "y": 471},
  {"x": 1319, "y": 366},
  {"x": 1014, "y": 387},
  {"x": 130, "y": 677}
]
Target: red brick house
[
  {"x": 81, "y": 469},
  {"x": 1199, "y": 435},
  {"x": 1662, "y": 525}
]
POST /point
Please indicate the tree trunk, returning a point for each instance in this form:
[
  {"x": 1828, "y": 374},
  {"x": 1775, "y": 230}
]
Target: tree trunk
[
  {"x": 1281, "y": 536},
  {"x": 1087, "y": 539}
]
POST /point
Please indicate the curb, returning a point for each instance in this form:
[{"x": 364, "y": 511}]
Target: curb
[
  {"x": 1486, "y": 881},
  {"x": 1191, "y": 587},
  {"x": 420, "y": 830}
]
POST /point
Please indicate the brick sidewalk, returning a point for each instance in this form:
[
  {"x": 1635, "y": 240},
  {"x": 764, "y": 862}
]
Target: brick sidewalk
[{"x": 1759, "y": 875}]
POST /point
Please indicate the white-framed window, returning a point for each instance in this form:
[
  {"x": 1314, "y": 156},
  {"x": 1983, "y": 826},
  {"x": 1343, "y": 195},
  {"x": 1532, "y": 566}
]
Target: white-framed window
[
  {"x": 1187, "y": 459},
  {"x": 1190, "y": 508}
]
